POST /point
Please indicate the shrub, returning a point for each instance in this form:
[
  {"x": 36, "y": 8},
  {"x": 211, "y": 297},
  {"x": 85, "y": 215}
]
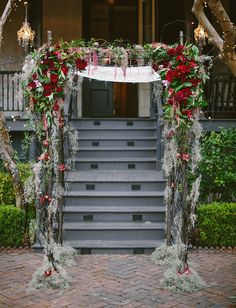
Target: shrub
[
  {"x": 12, "y": 225},
  {"x": 217, "y": 224},
  {"x": 218, "y": 166}
]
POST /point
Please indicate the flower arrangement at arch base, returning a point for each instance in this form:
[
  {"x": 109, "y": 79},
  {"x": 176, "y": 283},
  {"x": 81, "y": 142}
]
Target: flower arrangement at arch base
[{"x": 48, "y": 72}]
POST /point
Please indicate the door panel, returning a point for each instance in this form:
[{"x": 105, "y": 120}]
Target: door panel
[{"x": 97, "y": 98}]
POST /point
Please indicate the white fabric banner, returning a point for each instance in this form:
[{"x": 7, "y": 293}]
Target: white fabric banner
[{"x": 139, "y": 74}]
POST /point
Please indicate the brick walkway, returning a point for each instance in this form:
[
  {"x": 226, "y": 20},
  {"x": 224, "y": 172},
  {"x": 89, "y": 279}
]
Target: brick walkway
[{"x": 117, "y": 281}]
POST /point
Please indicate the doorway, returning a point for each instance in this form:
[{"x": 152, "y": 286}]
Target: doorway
[{"x": 110, "y": 20}]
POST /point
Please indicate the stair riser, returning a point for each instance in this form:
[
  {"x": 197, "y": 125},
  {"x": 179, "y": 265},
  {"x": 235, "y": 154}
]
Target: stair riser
[
  {"x": 76, "y": 186},
  {"x": 117, "y": 133},
  {"x": 120, "y": 251},
  {"x": 116, "y": 166},
  {"x": 137, "y": 234},
  {"x": 113, "y": 123},
  {"x": 115, "y": 201},
  {"x": 113, "y": 217},
  {"x": 96, "y": 153},
  {"x": 117, "y": 143}
]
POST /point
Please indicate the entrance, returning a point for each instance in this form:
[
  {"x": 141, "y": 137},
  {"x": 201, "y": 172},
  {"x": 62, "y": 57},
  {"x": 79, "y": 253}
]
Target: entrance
[{"x": 109, "y": 20}]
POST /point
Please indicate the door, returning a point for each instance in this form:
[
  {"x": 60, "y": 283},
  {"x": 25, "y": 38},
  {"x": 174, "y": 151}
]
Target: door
[
  {"x": 109, "y": 20},
  {"x": 97, "y": 98}
]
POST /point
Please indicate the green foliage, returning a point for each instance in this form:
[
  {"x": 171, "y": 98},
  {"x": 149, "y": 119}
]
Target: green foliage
[
  {"x": 218, "y": 166},
  {"x": 217, "y": 224},
  {"x": 7, "y": 194},
  {"x": 12, "y": 223}
]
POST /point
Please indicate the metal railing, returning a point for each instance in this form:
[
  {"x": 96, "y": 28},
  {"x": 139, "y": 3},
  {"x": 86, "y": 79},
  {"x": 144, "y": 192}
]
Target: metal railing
[{"x": 11, "y": 97}]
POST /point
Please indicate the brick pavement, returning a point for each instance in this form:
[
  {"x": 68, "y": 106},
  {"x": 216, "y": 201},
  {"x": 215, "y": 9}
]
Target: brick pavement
[{"x": 117, "y": 281}]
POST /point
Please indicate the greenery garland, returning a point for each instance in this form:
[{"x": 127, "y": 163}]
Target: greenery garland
[{"x": 45, "y": 75}]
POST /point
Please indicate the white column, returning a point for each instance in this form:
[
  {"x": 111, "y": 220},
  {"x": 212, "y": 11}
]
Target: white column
[{"x": 144, "y": 100}]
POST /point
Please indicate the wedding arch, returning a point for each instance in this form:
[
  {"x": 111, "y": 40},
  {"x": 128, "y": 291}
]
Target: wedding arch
[{"x": 178, "y": 75}]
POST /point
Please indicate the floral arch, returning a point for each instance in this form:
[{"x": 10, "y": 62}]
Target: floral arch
[{"x": 51, "y": 69}]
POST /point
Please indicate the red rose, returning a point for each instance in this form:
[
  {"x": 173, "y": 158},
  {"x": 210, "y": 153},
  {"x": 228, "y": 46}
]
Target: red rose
[
  {"x": 59, "y": 89},
  {"x": 47, "y": 90},
  {"x": 81, "y": 64},
  {"x": 34, "y": 76},
  {"x": 184, "y": 69},
  {"x": 61, "y": 167},
  {"x": 56, "y": 107},
  {"x": 179, "y": 49},
  {"x": 183, "y": 94},
  {"x": 181, "y": 58},
  {"x": 64, "y": 69},
  {"x": 31, "y": 85},
  {"x": 194, "y": 82},
  {"x": 187, "y": 112},
  {"x": 171, "y": 74},
  {"x": 155, "y": 67},
  {"x": 53, "y": 78},
  {"x": 171, "y": 52}
]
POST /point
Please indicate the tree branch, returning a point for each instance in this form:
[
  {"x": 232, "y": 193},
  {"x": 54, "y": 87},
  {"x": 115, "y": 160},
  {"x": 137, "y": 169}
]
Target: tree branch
[{"x": 226, "y": 46}]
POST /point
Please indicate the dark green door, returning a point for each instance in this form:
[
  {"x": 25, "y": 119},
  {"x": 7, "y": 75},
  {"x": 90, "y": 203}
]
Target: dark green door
[{"x": 97, "y": 98}]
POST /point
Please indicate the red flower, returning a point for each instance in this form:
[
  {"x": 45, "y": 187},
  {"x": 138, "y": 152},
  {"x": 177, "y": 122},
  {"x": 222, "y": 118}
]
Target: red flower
[
  {"x": 47, "y": 90},
  {"x": 81, "y": 64},
  {"x": 53, "y": 78},
  {"x": 59, "y": 89},
  {"x": 61, "y": 122},
  {"x": 45, "y": 142},
  {"x": 62, "y": 167},
  {"x": 184, "y": 69},
  {"x": 181, "y": 58},
  {"x": 34, "y": 76},
  {"x": 32, "y": 85},
  {"x": 56, "y": 106},
  {"x": 155, "y": 67},
  {"x": 179, "y": 49},
  {"x": 171, "y": 74},
  {"x": 185, "y": 156},
  {"x": 64, "y": 69},
  {"x": 194, "y": 82},
  {"x": 48, "y": 273},
  {"x": 44, "y": 199},
  {"x": 183, "y": 94},
  {"x": 44, "y": 156},
  {"x": 171, "y": 52},
  {"x": 187, "y": 112}
]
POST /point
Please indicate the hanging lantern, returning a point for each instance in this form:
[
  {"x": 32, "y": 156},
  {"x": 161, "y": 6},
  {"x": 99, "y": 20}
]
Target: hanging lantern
[
  {"x": 200, "y": 35},
  {"x": 25, "y": 35}
]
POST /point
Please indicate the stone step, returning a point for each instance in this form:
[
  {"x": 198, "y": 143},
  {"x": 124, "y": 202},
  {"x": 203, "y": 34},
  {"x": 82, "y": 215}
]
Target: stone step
[
  {"x": 131, "y": 142},
  {"x": 113, "y": 132},
  {"x": 114, "y": 122},
  {"x": 113, "y": 230},
  {"x": 99, "y": 152},
  {"x": 115, "y": 199},
  {"x": 114, "y": 213},
  {"x": 119, "y": 246},
  {"x": 117, "y": 163}
]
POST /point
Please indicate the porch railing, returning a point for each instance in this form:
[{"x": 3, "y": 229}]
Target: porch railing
[
  {"x": 11, "y": 98},
  {"x": 220, "y": 91},
  {"x": 221, "y": 96}
]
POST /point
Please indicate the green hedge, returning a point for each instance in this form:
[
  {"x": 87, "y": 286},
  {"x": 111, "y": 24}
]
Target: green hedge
[
  {"x": 217, "y": 224},
  {"x": 12, "y": 225}
]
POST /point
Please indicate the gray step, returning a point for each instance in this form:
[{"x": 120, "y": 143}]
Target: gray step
[
  {"x": 114, "y": 213},
  {"x": 117, "y": 163},
  {"x": 115, "y": 132},
  {"x": 99, "y": 152},
  {"x": 114, "y": 122},
  {"x": 115, "y": 230},
  {"x": 115, "y": 198},
  {"x": 131, "y": 142},
  {"x": 114, "y": 186}
]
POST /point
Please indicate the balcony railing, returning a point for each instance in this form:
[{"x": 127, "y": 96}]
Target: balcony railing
[
  {"x": 11, "y": 98},
  {"x": 220, "y": 92},
  {"x": 221, "y": 96}
]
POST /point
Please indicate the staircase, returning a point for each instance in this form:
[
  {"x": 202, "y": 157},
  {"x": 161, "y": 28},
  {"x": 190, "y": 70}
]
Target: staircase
[{"x": 114, "y": 201}]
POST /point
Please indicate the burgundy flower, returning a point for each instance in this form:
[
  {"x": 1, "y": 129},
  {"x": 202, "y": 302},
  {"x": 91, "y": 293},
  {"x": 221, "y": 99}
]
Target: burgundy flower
[
  {"x": 47, "y": 90},
  {"x": 184, "y": 68},
  {"x": 56, "y": 107},
  {"x": 183, "y": 94},
  {"x": 62, "y": 167},
  {"x": 44, "y": 156},
  {"x": 155, "y": 67},
  {"x": 59, "y": 89},
  {"x": 187, "y": 112},
  {"x": 171, "y": 74},
  {"x": 44, "y": 199},
  {"x": 171, "y": 52},
  {"x": 81, "y": 64},
  {"x": 35, "y": 76},
  {"x": 64, "y": 69},
  {"x": 179, "y": 49},
  {"x": 31, "y": 85},
  {"x": 53, "y": 78},
  {"x": 181, "y": 58}
]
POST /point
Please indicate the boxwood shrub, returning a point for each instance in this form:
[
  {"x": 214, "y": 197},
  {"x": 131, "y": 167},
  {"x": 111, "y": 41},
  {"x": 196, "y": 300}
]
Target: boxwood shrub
[
  {"x": 12, "y": 225},
  {"x": 217, "y": 224}
]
